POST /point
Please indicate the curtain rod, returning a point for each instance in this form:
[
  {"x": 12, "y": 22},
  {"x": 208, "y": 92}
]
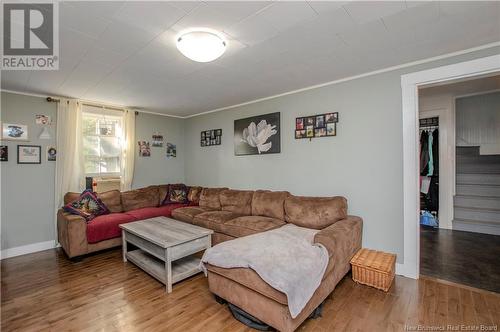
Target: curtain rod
[{"x": 54, "y": 100}]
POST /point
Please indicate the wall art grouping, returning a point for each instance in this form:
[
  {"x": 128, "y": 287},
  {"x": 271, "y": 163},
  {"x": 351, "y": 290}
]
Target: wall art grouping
[
  {"x": 211, "y": 137},
  {"x": 257, "y": 135},
  {"x": 321, "y": 125}
]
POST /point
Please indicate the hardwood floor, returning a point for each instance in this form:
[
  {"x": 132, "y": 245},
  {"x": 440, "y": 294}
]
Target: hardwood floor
[
  {"x": 467, "y": 258},
  {"x": 47, "y": 292}
]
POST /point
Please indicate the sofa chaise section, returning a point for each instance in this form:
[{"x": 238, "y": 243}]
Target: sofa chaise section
[{"x": 339, "y": 233}]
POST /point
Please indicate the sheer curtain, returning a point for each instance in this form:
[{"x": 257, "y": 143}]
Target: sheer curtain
[
  {"x": 128, "y": 150},
  {"x": 70, "y": 175}
]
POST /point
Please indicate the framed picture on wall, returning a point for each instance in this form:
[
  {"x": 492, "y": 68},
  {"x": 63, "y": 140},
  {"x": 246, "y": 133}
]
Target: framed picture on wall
[
  {"x": 4, "y": 153},
  {"x": 257, "y": 135},
  {"x": 14, "y": 132},
  {"x": 29, "y": 154},
  {"x": 211, "y": 137}
]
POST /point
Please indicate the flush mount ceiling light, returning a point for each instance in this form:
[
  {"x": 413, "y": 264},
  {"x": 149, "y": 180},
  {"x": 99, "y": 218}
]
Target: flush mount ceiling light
[{"x": 201, "y": 44}]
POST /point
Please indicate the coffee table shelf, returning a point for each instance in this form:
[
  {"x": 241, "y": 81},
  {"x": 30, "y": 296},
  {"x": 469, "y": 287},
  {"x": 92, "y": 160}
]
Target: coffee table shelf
[
  {"x": 166, "y": 248},
  {"x": 181, "y": 269}
]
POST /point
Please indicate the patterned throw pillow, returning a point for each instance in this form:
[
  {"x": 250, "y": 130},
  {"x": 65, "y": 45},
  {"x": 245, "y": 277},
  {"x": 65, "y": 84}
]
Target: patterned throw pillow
[
  {"x": 88, "y": 205},
  {"x": 177, "y": 193}
]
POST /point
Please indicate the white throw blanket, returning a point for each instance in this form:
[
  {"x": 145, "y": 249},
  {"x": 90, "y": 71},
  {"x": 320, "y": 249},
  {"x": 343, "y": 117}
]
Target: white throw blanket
[{"x": 286, "y": 258}]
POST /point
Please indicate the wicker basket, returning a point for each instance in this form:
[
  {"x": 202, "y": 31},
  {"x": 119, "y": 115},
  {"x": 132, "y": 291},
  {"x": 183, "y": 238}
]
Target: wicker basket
[{"x": 373, "y": 268}]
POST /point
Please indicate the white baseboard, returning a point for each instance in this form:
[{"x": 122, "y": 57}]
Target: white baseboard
[
  {"x": 27, "y": 249},
  {"x": 400, "y": 269}
]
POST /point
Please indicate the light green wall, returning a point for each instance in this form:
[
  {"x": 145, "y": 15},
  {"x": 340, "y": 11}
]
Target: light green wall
[
  {"x": 364, "y": 162},
  {"x": 27, "y": 200},
  {"x": 157, "y": 169},
  {"x": 27, "y": 190}
]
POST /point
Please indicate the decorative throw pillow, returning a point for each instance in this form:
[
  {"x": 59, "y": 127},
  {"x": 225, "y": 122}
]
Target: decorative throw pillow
[
  {"x": 88, "y": 205},
  {"x": 177, "y": 193}
]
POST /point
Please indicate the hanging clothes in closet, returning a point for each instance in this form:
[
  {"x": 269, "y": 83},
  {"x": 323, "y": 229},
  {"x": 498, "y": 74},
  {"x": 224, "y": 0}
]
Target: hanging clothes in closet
[{"x": 429, "y": 170}]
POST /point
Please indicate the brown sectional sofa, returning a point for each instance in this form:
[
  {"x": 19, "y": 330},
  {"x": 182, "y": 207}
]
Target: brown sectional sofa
[{"x": 234, "y": 213}]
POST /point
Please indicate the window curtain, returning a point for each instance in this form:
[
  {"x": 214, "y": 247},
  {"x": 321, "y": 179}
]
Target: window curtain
[
  {"x": 128, "y": 150},
  {"x": 70, "y": 174}
]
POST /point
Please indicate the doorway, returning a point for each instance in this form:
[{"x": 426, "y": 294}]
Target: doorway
[
  {"x": 459, "y": 146},
  {"x": 410, "y": 83}
]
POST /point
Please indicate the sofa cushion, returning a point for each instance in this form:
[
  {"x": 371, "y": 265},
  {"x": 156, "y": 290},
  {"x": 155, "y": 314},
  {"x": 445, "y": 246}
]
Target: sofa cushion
[
  {"x": 315, "y": 212},
  {"x": 188, "y": 213},
  {"x": 238, "y": 201},
  {"x": 87, "y": 205},
  {"x": 269, "y": 203},
  {"x": 177, "y": 193},
  {"x": 106, "y": 226},
  {"x": 151, "y": 212},
  {"x": 112, "y": 199},
  {"x": 214, "y": 219},
  {"x": 194, "y": 194},
  {"x": 248, "y": 225},
  {"x": 209, "y": 198},
  {"x": 140, "y": 198}
]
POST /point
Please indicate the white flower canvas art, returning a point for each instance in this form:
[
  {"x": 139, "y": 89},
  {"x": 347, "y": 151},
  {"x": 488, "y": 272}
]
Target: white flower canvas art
[{"x": 257, "y": 135}]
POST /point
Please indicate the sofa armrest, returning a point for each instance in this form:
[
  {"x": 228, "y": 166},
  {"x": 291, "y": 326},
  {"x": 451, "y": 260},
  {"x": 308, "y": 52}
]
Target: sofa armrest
[
  {"x": 342, "y": 239},
  {"x": 72, "y": 233}
]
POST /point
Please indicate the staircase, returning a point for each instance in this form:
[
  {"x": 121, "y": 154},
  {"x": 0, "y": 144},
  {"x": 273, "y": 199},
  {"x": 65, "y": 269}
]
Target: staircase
[{"x": 477, "y": 199}]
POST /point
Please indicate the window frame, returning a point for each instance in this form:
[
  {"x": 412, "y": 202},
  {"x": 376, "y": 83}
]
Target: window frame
[{"x": 102, "y": 113}]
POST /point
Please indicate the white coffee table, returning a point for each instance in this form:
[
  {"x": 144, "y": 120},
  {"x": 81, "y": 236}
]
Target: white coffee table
[{"x": 166, "y": 248}]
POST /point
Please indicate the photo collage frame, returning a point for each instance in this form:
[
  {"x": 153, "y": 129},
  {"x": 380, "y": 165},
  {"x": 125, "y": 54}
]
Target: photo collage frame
[
  {"x": 211, "y": 137},
  {"x": 320, "y": 125}
]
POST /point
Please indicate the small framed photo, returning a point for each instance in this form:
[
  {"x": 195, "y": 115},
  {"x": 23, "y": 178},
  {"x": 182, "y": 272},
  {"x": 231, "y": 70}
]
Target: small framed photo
[
  {"x": 300, "y": 134},
  {"x": 332, "y": 117},
  {"x": 42, "y": 119},
  {"x": 14, "y": 132},
  {"x": 320, "y": 132},
  {"x": 331, "y": 129},
  {"x": 310, "y": 131},
  {"x": 51, "y": 153},
  {"x": 299, "y": 123},
  {"x": 29, "y": 154},
  {"x": 310, "y": 121},
  {"x": 4, "y": 153},
  {"x": 320, "y": 121},
  {"x": 144, "y": 149}
]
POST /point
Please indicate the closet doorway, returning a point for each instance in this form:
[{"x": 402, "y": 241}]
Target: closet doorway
[{"x": 459, "y": 182}]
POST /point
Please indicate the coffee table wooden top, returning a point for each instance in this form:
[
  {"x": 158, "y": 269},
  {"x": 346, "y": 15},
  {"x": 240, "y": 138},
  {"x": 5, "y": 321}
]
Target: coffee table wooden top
[{"x": 165, "y": 232}]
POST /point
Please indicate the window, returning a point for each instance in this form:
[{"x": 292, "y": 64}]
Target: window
[{"x": 102, "y": 140}]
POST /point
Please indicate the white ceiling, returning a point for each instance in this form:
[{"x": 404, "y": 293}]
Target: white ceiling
[
  {"x": 124, "y": 52},
  {"x": 463, "y": 87}
]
